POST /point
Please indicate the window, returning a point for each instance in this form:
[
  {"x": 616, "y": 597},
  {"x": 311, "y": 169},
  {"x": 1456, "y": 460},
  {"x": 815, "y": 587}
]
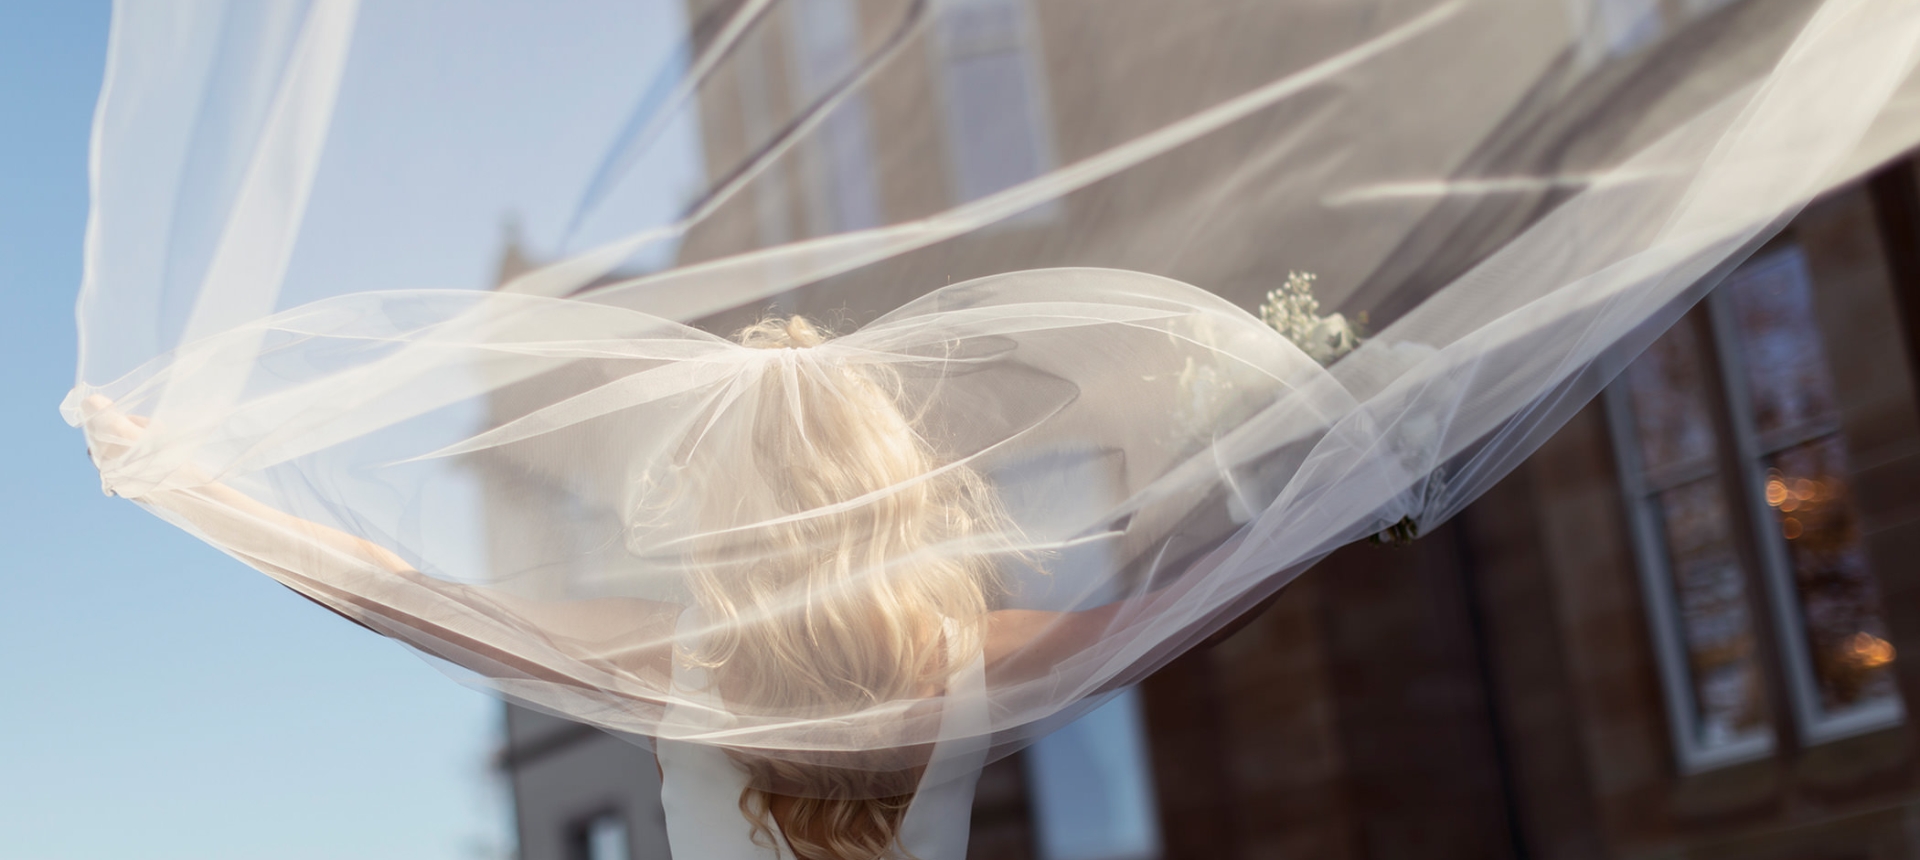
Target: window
[
  {"x": 1091, "y": 782},
  {"x": 1728, "y": 438},
  {"x": 1618, "y": 28},
  {"x": 840, "y": 159},
  {"x": 1839, "y": 667},
  {"x": 995, "y": 112},
  {"x": 1684, "y": 519},
  {"x": 1625, "y": 26},
  {"x": 601, "y": 837},
  {"x": 1092, "y": 787}
]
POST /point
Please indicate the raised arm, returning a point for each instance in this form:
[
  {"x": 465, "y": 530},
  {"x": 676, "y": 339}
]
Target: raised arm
[
  {"x": 1027, "y": 643},
  {"x": 629, "y": 632},
  {"x": 1024, "y": 643}
]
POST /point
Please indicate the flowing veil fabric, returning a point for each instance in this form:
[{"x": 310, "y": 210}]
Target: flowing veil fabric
[{"x": 295, "y": 214}]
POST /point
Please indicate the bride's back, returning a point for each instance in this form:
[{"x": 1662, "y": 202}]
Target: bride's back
[
  {"x": 836, "y": 580},
  {"x": 714, "y": 811}
]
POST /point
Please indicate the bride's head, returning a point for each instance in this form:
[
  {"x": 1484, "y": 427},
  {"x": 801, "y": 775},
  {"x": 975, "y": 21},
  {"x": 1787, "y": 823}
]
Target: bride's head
[{"x": 852, "y": 583}]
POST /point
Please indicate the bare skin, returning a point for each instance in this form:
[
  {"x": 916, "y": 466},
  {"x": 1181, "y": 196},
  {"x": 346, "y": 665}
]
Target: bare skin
[
  {"x": 1018, "y": 641},
  {"x": 630, "y": 633}
]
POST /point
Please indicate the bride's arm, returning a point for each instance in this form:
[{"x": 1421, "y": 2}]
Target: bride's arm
[
  {"x": 638, "y": 630},
  {"x": 1023, "y": 643}
]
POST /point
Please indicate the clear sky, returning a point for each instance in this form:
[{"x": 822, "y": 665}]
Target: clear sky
[{"x": 157, "y": 699}]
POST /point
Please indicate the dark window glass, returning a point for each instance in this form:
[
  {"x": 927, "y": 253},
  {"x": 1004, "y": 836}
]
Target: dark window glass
[
  {"x": 1669, "y": 389},
  {"x": 1786, "y": 367},
  {"x": 1717, "y": 623},
  {"x": 601, "y": 837},
  {"x": 1839, "y": 597},
  {"x": 1794, "y": 412}
]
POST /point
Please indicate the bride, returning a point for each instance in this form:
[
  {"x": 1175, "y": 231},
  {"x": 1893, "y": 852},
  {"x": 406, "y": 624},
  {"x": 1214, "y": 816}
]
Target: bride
[{"x": 840, "y": 601}]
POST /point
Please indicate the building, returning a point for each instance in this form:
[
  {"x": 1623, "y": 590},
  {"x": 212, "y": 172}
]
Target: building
[
  {"x": 1612, "y": 655},
  {"x": 1680, "y": 630}
]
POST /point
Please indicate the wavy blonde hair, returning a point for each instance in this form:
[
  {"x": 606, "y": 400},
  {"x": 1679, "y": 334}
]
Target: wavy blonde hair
[{"x": 853, "y": 595}]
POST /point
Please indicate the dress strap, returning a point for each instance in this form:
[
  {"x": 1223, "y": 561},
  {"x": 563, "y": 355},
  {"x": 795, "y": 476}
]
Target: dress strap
[
  {"x": 700, "y": 786},
  {"x": 938, "y": 822}
]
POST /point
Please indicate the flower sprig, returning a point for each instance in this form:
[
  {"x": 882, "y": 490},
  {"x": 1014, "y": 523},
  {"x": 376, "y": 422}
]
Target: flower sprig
[{"x": 1293, "y": 312}]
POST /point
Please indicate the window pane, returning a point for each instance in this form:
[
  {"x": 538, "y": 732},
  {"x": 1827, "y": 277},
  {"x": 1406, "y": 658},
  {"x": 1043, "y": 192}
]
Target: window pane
[
  {"x": 972, "y": 27},
  {"x": 828, "y": 51},
  {"x": 829, "y": 33},
  {"x": 1779, "y": 341},
  {"x": 995, "y": 143},
  {"x": 849, "y": 165},
  {"x": 1696, "y": 8},
  {"x": 1668, "y": 387},
  {"x": 603, "y": 837},
  {"x": 1717, "y": 623},
  {"x": 1839, "y": 598},
  {"x": 1627, "y": 25},
  {"x": 1093, "y": 788},
  {"x": 1091, "y": 783},
  {"x": 993, "y": 104}
]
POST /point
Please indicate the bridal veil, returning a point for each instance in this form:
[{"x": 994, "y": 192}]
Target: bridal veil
[{"x": 1044, "y": 229}]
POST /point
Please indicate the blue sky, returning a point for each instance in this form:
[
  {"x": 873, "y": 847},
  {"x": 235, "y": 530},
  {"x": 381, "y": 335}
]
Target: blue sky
[
  {"x": 163, "y": 701},
  {"x": 159, "y": 699}
]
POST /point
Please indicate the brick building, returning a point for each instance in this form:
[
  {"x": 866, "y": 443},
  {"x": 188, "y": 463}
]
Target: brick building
[{"x": 1680, "y": 630}]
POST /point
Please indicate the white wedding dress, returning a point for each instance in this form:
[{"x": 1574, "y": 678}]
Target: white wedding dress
[{"x": 700, "y": 786}]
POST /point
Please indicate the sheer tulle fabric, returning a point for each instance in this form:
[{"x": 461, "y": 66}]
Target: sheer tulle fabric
[{"x": 569, "y": 460}]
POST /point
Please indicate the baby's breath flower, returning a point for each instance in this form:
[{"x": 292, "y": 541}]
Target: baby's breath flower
[{"x": 1293, "y": 312}]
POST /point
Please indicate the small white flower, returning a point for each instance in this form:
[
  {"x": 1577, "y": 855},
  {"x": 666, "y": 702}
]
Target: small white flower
[{"x": 1295, "y": 314}]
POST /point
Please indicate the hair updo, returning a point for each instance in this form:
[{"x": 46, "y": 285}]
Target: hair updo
[{"x": 771, "y": 333}]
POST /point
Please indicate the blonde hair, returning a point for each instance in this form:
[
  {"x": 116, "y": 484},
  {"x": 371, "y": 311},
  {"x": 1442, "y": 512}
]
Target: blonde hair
[{"x": 837, "y": 604}]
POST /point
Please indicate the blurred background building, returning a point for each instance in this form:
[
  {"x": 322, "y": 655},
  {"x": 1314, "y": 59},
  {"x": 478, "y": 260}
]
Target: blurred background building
[{"x": 1680, "y": 630}]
